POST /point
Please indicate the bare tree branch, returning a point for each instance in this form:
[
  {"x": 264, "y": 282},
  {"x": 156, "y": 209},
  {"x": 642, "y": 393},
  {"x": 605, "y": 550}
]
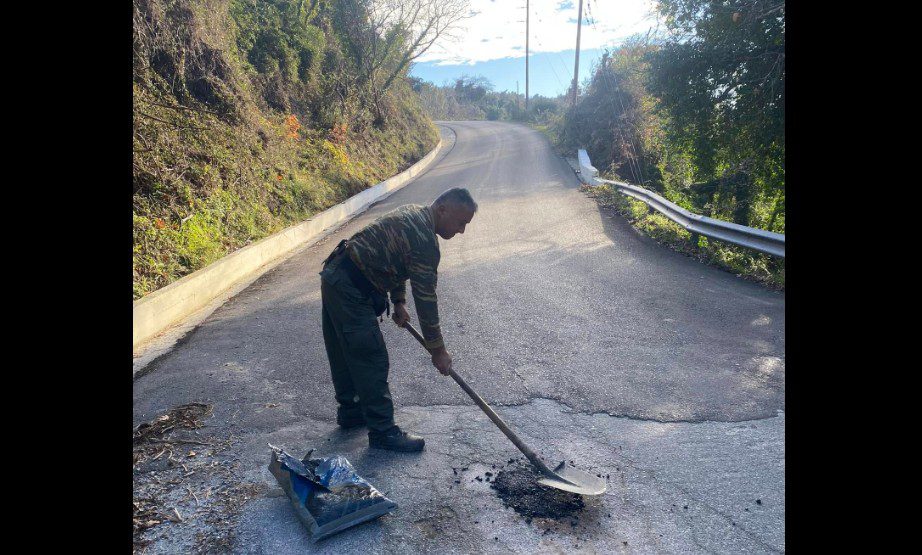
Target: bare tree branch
[
  {"x": 431, "y": 21},
  {"x": 400, "y": 31}
]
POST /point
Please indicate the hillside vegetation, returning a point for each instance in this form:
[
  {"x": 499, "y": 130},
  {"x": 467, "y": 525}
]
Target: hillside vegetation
[
  {"x": 472, "y": 97},
  {"x": 251, "y": 115},
  {"x": 697, "y": 116}
]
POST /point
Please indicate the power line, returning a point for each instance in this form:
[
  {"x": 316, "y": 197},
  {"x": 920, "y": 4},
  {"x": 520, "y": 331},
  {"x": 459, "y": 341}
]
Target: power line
[
  {"x": 550, "y": 65},
  {"x": 643, "y": 179},
  {"x": 634, "y": 161},
  {"x": 565, "y": 66}
]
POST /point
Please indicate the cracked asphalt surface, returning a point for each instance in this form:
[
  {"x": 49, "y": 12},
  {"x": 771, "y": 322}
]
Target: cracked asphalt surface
[{"x": 597, "y": 344}]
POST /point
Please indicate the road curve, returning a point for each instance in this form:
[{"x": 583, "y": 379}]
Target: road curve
[{"x": 544, "y": 299}]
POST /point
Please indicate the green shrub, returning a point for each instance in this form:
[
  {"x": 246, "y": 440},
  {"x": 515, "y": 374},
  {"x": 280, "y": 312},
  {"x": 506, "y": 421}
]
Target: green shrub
[{"x": 246, "y": 121}]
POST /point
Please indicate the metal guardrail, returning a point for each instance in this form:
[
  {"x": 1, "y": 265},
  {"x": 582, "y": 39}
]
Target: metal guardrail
[{"x": 758, "y": 239}]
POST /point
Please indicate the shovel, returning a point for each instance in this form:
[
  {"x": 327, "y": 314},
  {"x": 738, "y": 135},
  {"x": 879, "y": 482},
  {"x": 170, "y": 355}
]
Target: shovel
[{"x": 563, "y": 477}]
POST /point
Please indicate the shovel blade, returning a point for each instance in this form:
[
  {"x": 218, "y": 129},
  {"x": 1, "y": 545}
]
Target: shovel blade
[{"x": 570, "y": 479}]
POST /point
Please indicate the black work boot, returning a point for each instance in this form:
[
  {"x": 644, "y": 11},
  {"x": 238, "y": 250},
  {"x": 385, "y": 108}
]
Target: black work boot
[{"x": 395, "y": 439}]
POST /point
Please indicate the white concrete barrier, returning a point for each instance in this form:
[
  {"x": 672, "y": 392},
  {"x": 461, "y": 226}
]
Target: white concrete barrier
[
  {"x": 165, "y": 307},
  {"x": 587, "y": 173}
]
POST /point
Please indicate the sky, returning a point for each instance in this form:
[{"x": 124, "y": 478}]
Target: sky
[{"x": 492, "y": 42}]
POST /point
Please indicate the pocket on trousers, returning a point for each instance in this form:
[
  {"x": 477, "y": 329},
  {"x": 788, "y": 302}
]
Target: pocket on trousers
[
  {"x": 330, "y": 275},
  {"x": 365, "y": 340}
]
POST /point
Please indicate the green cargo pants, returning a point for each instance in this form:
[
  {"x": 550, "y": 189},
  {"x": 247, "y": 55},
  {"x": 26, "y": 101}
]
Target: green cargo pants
[{"x": 358, "y": 357}]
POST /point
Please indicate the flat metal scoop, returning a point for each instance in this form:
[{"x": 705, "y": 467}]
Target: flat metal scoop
[
  {"x": 563, "y": 477},
  {"x": 574, "y": 480}
]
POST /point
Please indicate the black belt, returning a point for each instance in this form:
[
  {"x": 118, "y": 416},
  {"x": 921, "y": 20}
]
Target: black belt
[{"x": 358, "y": 278}]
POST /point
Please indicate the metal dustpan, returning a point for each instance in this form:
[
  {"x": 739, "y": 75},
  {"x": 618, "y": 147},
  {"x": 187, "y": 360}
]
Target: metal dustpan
[{"x": 563, "y": 477}]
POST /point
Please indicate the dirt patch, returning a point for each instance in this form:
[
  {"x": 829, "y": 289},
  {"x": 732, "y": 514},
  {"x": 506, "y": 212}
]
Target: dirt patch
[
  {"x": 187, "y": 487},
  {"x": 519, "y": 489},
  {"x": 438, "y": 525},
  {"x": 149, "y": 437}
]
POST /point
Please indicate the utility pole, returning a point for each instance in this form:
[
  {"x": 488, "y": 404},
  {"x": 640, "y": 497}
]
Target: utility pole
[
  {"x": 579, "y": 26},
  {"x": 526, "y": 57}
]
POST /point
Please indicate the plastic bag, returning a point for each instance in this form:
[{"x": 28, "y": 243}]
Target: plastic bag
[{"x": 327, "y": 494}]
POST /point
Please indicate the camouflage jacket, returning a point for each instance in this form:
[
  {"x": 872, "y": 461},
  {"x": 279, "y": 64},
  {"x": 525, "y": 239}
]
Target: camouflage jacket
[{"x": 398, "y": 246}]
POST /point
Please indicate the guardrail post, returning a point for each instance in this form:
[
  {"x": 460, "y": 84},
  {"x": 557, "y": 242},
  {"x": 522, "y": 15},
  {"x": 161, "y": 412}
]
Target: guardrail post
[
  {"x": 694, "y": 239},
  {"x": 588, "y": 173}
]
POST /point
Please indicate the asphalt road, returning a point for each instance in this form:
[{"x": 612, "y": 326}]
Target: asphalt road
[{"x": 593, "y": 340}]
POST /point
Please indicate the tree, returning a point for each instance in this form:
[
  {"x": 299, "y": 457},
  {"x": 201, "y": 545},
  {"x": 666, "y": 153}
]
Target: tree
[
  {"x": 612, "y": 118},
  {"x": 472, "y": 89},
  {"x": 720, "y": 77},
  {"x": 418, "y": 23},
  {"x": 392, "y": 34}
]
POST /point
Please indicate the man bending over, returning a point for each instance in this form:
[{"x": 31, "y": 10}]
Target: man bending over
[{"x": 355, "y": 281}]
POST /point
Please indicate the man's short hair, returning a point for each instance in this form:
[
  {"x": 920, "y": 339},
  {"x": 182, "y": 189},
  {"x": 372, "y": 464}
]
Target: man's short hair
[{"x": 457, "y": 196}]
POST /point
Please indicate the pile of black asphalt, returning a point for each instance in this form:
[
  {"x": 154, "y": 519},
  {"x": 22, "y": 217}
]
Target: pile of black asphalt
[{"x": 518, "y": 488}]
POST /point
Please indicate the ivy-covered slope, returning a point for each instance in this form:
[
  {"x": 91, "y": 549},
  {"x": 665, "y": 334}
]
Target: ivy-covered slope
[{"x": 249, "y": 116}]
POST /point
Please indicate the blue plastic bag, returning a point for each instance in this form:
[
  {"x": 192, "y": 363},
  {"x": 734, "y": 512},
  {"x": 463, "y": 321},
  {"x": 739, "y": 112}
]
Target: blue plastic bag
[{"x": 327, "y": 494}]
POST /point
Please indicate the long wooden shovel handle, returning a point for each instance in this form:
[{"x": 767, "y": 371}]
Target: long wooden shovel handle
[{"x": 525, "y": 449}]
